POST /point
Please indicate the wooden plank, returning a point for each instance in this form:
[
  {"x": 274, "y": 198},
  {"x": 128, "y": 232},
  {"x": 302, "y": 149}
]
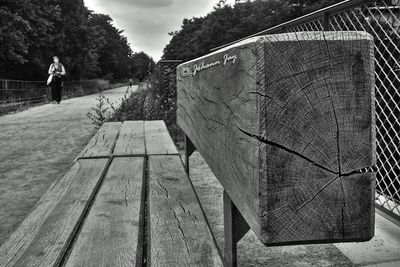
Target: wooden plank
[
  {"x": 179, "y": 235},
  {"x": 284, "y": 121},
  {"x": 103, "y": 141},
  {"x": 43, "y": 237},
  {"x": 110, "y": 235},
  {"x": 131, "y": 139},
  {"x": 158, "y": 140}
]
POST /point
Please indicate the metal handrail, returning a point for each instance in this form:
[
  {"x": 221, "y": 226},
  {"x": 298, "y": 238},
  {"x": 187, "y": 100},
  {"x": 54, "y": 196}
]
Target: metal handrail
[
  {"x": 324, "y": 13},
  {"x": 18, "y": 92}
]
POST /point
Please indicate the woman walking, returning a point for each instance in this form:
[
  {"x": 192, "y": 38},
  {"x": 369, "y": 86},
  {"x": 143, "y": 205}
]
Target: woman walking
[{"x": 56, "y": 71}]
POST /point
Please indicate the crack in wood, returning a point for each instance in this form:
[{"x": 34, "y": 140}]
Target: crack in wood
[
  {"x": 343, "y": 207},
  {"x": 316, "y": 194},
  {"x": 181, "y": 230},
  {"x": 261, "y": 94},
  {"x": 337, "y": 138},
  {"x": 164, "y": 188},
  {"x": 337, "y": 134},
  {"x": 235, "y": 96},
  {"x": 368, "y": 169},
  {"x": 268, "y": 142},
  {"x": 247, "y": 73},
  {"x": 333, "y": 106},
  {"x": 125, "y": 191},
  {"x": 180, "y": 204}
]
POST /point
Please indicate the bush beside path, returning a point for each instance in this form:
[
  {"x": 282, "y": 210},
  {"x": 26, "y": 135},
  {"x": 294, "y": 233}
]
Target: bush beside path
[{"x": 37, "y": 147}]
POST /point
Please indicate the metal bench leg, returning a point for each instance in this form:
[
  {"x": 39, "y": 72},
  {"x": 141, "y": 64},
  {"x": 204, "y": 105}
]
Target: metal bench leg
[
  {"x": 235, "y": 227},
  {"x": 189, "y": 149}
]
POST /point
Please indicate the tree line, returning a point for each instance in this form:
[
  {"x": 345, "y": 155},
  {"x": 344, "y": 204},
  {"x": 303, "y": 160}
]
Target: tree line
[
  {"x": 229, "y": 23},
  {"x": 89, "y": 45}
]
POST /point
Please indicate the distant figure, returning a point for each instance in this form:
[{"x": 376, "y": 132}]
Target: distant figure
[
  {"x": 130, "y": 83},
  {"x": 56, "y": 71}
]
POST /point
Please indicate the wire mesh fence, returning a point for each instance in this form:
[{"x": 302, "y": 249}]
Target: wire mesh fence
[
  {"x": 13, "y": 91},
  {"x": 382, "y": 20}
]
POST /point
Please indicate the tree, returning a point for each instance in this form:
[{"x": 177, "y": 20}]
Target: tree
[
  {"x": 223, "y": 25},
  {"x": 301, "y": 7},
  {"x": 141, "y": 66},
  {"x": 115, "y": 54},
  {"x": 79, "y": 41},
  {"x": 31, "y": 32},
  {"x": 226, "y": 24},
  {"x": 27, "y": 29}
]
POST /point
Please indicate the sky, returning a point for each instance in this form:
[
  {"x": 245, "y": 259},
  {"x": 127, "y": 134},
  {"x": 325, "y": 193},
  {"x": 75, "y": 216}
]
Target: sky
[{"x": 147, "y": 23}]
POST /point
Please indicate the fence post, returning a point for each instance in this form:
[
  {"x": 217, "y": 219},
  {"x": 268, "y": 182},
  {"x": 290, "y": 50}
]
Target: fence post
[{"x": 167, "y": 72}]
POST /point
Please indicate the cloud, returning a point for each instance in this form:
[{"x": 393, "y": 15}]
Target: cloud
[
  {"x": 137, "y": 3},
  {"x": 147, "y": 23}
]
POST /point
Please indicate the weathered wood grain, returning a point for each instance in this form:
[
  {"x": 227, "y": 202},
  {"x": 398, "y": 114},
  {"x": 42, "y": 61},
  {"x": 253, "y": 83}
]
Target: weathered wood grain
[
  {"x": 110, "y": 234},
  {"x": 45, "y": 234},
  {"x": 211, "y": 106},
  {"x": 287, "y": 128},
  {"x": 103, "y": 141},
  {"x": 178, "y": 232},
  {"x": 131, "y": 139},
  {"x": 158, "y": 140}
]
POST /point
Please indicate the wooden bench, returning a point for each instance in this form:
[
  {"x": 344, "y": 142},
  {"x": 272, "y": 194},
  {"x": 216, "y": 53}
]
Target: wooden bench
[
  {"x": 286, "y": 123},
  {"x": 127, "y": 201}
]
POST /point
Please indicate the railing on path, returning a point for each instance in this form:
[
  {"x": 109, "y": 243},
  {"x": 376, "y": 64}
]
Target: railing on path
[
  {"x": 382, "y": 20},
  {"x": 15, "y": 93}
]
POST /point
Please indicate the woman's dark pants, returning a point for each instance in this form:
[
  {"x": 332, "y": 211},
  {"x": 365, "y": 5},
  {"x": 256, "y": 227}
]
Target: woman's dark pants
[{"x": 56, "y": 89}]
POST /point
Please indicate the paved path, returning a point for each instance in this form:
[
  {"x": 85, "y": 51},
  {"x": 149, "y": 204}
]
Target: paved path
[
  {"x": 382, "y": 251},
  {"x": 37, "y": 146}
]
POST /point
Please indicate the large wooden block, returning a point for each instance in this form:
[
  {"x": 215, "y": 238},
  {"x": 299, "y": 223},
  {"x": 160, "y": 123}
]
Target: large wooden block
[{"x": 286, "y": 123}]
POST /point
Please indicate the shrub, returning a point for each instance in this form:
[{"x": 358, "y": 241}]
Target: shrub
[
  {"x": 101, "y": 112},
  {"x": 148, "y": 102}
]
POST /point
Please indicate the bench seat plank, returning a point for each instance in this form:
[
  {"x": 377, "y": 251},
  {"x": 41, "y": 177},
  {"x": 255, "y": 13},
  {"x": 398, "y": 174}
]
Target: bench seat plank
[
  {"x": 179, "y": 234},
  {"x": 103, "y": 141},
  {"x": 131, "y": 139},
  {"x": 44, "y": 236},
  {"x": 109, "y": 236},
  {"x": 158, "y": 140}
]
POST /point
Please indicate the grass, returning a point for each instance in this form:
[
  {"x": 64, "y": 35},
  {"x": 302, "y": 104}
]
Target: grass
[{"x": 149, "y": 102}]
